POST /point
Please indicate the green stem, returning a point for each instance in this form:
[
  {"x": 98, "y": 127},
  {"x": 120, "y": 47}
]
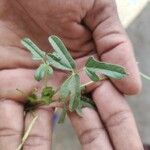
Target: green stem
[
  {"x": 145, "y": 76},
  {"x": 46, "y": 77}
]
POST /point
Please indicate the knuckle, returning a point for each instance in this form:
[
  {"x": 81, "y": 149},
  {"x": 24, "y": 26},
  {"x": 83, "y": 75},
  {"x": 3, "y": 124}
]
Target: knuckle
[
  {"x": 118, "y": 118},
  {"x": 36, "y": 141},
  {"x": 90, "y": 135},
  {"x": 9, "y": 132}
]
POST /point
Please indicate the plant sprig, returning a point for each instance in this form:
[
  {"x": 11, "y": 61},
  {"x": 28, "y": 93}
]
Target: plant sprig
[{"x": 71, "y": 90}]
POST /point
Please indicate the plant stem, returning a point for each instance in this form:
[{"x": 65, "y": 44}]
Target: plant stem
[
  {"x": 91, "y": 82},
  {"x": 145, "y": 76},
  {"x": 46, "y": 77},
  {"x": 87, "y": 84},
  {"x": 27, "y": 133}
]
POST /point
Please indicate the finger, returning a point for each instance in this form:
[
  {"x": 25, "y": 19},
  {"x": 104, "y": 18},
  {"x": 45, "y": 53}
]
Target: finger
[
  {"x": 80, "y": 54},
  {"x": 90, "y": 131},
  {"x": 13, "y": 79},
  {"x": 11, "y": 124},
  {"x": 117, "y": 117},
  {"x": 40, "y": 136},
  {"x": 23, "y": 80},
  {"x": 15, "y": 57},
  {"x": 112, "y": 43}
]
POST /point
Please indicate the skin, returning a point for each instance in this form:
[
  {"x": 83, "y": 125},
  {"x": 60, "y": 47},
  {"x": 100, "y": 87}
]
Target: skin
[{"x": 91, "y": 28}]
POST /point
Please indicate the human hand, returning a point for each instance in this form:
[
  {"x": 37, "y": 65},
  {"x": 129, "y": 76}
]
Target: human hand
[{"x": 83, "y": 28}]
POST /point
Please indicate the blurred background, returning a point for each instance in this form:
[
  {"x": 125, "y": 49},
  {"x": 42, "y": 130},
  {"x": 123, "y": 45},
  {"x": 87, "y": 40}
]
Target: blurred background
[{"x": 135, "y": 16}]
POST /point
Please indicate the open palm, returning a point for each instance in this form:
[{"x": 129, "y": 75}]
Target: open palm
[{"x": 87, "y": 29}]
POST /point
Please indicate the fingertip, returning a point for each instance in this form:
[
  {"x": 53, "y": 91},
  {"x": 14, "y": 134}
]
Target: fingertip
[
  {"x": 131, "y": 85},
  {"x": 123, "y": 55},
  {"x": 135, "y": 88}
]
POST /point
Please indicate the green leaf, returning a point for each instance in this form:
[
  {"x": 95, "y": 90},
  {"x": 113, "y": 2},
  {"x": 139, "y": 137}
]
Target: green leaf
[
  {"x": 61, "y": 53},
  {"x": 93, "y": 76},
  {"x": 110, "y": 70},
  {"x": 65, "y": 89},
  {"x": 47, "y": 94},
  {"x": 74, "y": 102},
  {"x": 32, "y": 102},
  {"x": 48, "y": 91},
  {"x": 40, "y": 72},
  {"x": 49, "y": 70},
  {"x": 32, "y": 98},
  {"x": 62, "y": 116},
  {"x": 43, "y": 70},
  {"x": 37, "y": 54},
  {"x": 56, "y": 62},
  {"x": 71, "y": 89},
  {"x": 79, "y": 109}
]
